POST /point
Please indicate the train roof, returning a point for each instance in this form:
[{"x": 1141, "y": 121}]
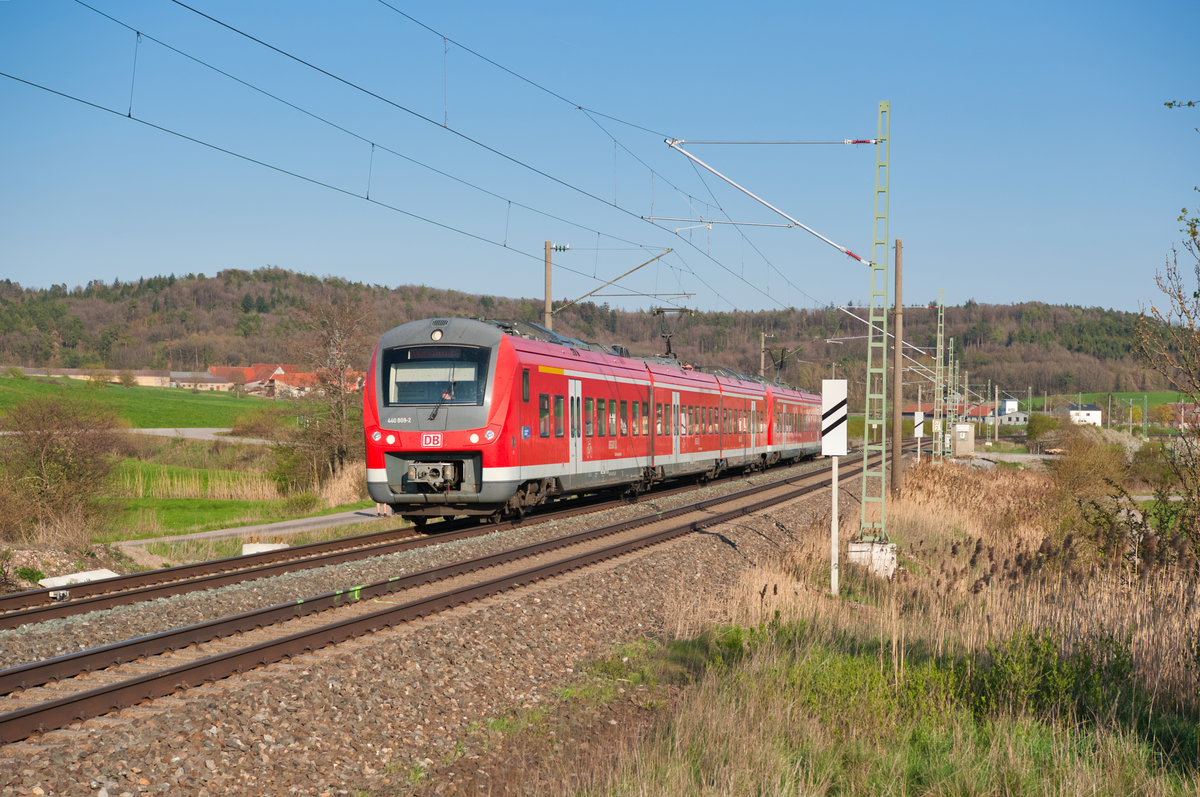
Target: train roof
[
  {"x": 529, "y": 330},
  {"x": 532, "y": 331}
]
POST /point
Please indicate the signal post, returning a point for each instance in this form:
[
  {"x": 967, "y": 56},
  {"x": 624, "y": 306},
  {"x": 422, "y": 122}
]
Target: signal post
[{"x": 834, "y": 415}]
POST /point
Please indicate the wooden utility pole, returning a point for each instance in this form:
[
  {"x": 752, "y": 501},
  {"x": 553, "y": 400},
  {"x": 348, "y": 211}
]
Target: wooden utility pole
[
  {"x": 898, "y": 381},
  {"x": 547, "y": 316},
  {"x": 762, "y": 354},
  {"x": 996, "y": 414}
]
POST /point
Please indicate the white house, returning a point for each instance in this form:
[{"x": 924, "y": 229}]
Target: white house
[{"x": 1086, "y": 414}]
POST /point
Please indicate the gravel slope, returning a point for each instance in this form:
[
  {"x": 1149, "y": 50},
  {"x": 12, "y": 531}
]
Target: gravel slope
[{"x": 370, "y": 715}]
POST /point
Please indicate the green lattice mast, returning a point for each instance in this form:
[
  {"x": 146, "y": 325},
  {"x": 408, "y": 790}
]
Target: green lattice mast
[{"x": 873, "y": 525}]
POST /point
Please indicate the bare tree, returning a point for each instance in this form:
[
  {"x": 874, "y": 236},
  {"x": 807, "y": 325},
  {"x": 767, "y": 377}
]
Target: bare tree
[
  {"x": 338, "y": 333},
  {"x": 1168, "y": 340}
]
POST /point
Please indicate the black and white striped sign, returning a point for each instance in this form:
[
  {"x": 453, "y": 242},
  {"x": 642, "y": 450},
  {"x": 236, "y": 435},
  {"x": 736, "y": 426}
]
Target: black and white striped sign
[{"x": 833, "y": 417}]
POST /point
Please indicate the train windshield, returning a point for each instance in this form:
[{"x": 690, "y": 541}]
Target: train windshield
[{"x": 435, "y": 375}]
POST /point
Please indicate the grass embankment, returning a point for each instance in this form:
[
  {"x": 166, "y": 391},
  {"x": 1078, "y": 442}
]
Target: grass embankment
[
  {"x": 1004, "y": 658},
  {"x": 181, "y": 486},
  {"x": 141, "y": 407}
]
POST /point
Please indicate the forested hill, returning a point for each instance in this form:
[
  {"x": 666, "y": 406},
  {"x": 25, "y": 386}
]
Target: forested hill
[{"x": 238, "y": 317}]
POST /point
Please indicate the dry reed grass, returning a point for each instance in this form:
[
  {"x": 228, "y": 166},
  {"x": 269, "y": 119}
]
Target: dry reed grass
[
  {"x": 984, "y": 559},
  {"x": 215, "y": 485},
  {"x": 346, "y": 486}
]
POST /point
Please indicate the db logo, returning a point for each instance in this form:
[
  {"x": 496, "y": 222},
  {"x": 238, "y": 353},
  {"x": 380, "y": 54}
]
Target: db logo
[{"x": 431, "y": 441}]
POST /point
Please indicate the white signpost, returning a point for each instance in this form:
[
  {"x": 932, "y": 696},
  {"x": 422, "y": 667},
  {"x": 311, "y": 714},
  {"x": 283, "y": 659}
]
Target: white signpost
[
  {"x": 918, "y": 431},
  {"x": 834, "y": 414}
]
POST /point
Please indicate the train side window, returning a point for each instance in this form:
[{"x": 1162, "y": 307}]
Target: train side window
[
  {"x": 544, "y": 415},
  {"x": 601, "y": 418},
  {"x": 588, "y": 416},
  {"x": 658, "y": 418},
  {"x": 624, "y": 418},
  {"x": 612, "y": 417},
  {"x": 560, "y": 426},
  {"x": 637, "y": 418},
  {"x": 524, "y": 384},
  {"x": 645, "y": 418}
]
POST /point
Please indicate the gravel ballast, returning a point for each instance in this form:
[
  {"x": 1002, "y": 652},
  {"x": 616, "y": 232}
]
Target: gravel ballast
[{"x": 369, "y": 715}]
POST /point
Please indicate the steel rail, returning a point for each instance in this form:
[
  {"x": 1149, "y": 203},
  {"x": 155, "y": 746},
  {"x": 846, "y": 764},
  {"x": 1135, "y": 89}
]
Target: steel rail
[
  {"x": 71, "y": 664},
  {"x": 35, "y": 606},
  {"x": 20, "y": 723}
]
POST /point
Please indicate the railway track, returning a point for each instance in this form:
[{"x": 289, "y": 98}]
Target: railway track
[
  {"x": 53, "y": 693},
  {"x": 35, "y": 606}
]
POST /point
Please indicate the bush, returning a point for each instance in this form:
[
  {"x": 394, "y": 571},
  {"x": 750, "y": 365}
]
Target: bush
[
  {"x": 30, "y": 574},
  {"x": 55, "y": 459},
  {"x": 301, "y": 504},
  {"x": 1030, "y": 674},
  {"x": 265, "y": 424},
  {"x": 1150, "y": 466},
  {"x": 1039, "y": 424},
  {"x": 1088, "y": 466}
]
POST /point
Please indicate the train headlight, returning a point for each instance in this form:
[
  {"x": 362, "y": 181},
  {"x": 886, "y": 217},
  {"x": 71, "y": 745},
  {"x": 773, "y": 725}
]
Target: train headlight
[
  {"x": 391, "y": 439},
  {"x": 474, "y": 438},
  {"x": 376, "y": 436},
  {"x": 435, "y": 335}
]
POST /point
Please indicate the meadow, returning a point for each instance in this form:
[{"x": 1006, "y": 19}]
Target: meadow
[
  {"x": 175, "y": 486},
  {"x": 1008, "y": 656},
  {"x": 166, "y": 485},
  {"x": 140, "y": 407}
]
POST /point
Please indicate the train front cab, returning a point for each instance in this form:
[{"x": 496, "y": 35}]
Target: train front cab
[{"x": 435, "y": 421}]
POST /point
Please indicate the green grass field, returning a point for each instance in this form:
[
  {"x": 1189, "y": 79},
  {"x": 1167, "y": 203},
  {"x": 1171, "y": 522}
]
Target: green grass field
[
  {"x": 141, "y": 407},
  {"x": 1153, "y": 399}
]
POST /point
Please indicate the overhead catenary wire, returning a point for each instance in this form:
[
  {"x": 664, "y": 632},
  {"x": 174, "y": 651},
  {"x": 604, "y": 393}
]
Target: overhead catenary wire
[
  {"x": 592, "y": 115},
  {"x": 373, "y": 144},
  {"x": 634, "y": 246},
  {"x": 281, "y": 170},
  {"x": 469, "y": 139}
]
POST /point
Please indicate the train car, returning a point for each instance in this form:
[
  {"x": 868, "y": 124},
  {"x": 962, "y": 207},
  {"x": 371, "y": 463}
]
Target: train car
[{"x": 466, "y": 417}]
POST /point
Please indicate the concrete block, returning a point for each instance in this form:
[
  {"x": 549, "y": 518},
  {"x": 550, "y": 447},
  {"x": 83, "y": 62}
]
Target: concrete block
[
  {"x": 878, "y": 557},
  {"x": 76, "y": 578},
  {"x": 263, "y": 547}
]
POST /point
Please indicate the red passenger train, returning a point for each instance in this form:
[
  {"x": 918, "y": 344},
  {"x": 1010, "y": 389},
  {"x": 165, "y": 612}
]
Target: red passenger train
[{"x": 468, "y": 417}]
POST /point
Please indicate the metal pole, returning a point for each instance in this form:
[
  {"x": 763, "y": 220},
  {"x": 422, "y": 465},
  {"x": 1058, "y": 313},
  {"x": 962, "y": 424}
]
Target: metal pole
[
  {"x": 547, "y": 315},
  {"x": 898, "y": 381},
  {"x": 833, "y": 535},
  {"x": 920, "y": 409}
]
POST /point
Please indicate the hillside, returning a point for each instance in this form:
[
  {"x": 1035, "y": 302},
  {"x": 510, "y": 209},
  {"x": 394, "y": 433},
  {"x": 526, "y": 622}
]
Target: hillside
[{"x": 237, "y": 317}]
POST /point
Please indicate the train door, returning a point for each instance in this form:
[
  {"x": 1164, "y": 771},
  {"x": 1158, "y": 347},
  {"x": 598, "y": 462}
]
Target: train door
[
  {"x": 753, "y": 424},
  {"x": 675, "y": 449},
  {"x": 575, "y": 425}
]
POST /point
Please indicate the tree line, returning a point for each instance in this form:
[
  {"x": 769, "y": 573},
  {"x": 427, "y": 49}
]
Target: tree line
[{"x": 190, "y": 322}]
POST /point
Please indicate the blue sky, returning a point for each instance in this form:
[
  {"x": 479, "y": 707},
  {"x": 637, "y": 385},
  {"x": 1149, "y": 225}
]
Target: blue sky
[{"x": 1031, "y": 155}]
